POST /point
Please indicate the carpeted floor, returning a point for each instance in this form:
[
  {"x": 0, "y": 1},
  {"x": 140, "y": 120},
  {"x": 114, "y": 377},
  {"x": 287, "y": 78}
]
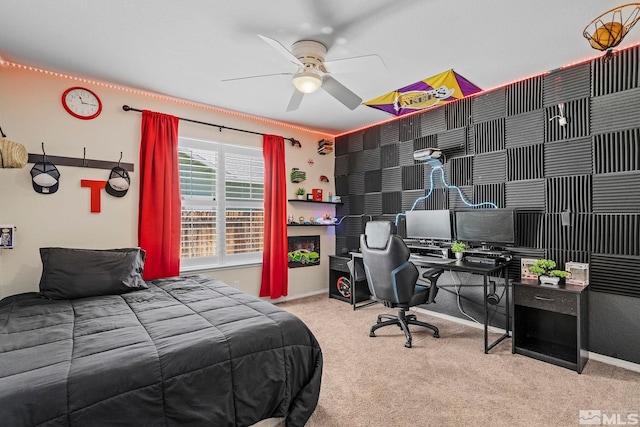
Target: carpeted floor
[{"x": 448, "y": 381}]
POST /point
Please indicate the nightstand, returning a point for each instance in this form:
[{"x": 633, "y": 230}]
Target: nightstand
[{"x": 550, "y": 323}]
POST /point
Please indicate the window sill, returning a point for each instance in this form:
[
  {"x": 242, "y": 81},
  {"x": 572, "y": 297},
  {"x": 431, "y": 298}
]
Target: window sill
[{"x": 215, "y": 267}]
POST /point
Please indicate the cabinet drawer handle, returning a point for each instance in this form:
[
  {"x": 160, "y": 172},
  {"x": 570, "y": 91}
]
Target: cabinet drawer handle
[{"x": 542, "y": 298}]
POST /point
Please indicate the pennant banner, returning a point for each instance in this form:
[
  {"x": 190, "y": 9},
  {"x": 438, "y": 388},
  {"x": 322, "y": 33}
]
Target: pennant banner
[{"x": 439, "y": 89}]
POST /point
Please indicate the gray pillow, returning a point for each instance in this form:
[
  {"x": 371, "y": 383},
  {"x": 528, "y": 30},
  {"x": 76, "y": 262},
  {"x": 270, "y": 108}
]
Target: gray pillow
[{"x": 77, "y": 273}]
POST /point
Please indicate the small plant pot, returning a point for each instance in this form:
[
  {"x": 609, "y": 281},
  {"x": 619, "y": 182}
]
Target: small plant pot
[
  {"x": 300, "y": 196},
  {"x": 549, "y": 280},
  {"x": 459, "y": 255}
]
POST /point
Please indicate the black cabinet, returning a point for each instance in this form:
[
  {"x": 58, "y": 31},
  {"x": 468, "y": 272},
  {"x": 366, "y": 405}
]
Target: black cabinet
[
  {"x": 340, "y": 286},
  {"x": 550, "y": 324}
]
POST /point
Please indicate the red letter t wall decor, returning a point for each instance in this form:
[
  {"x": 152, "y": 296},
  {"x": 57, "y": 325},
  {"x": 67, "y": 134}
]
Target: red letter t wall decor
[{"x": 95, "y": 186}]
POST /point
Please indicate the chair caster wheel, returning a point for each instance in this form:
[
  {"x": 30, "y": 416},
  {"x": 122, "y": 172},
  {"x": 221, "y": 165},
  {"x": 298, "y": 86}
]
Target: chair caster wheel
[
  {"x": 436, "y": 335},
  {"x": 372, "y": 334},
  {"x": 407, "y": 344}
]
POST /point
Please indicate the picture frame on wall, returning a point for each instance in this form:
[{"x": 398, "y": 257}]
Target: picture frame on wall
[{"x": 304, "y": 251}]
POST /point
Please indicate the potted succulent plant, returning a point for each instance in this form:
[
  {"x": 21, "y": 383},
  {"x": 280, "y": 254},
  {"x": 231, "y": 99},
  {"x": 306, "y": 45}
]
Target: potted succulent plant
[
  {"x": 300, "y": 193},
  {"x": 547, "y": 272},
  {"x": 458, "y": 248}
]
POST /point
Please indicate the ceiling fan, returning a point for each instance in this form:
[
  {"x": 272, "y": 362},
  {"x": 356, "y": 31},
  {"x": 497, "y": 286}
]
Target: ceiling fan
[{"x": 313, "y": 72}]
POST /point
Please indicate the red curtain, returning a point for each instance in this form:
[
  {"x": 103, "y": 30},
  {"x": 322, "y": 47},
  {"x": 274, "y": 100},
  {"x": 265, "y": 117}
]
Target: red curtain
[
  {"x": 275, "y": 274},
  {"x": 160, "y": 206}
]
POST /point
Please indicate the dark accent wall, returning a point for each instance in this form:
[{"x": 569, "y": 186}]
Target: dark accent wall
[{"x": 507, "y": 147}]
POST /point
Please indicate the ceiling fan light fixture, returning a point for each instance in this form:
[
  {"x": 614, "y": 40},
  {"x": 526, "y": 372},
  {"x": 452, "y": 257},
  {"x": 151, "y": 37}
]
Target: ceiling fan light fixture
[{"x": 307, "y": 82}]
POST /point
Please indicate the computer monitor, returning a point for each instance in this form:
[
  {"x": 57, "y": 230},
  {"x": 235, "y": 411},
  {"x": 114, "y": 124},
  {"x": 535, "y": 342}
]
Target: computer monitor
[
  {"x": 429, "y": 225},
  {"x": 486, "y": 227}
]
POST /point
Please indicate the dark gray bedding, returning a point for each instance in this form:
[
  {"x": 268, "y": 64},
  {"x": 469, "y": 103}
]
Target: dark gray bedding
[{"x": 186, "y": 351}]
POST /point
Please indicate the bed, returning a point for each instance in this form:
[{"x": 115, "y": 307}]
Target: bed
[{"x": 189, "y": 350}]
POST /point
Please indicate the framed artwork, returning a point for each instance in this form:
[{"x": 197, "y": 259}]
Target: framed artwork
[{"x": 304, "y": 251}]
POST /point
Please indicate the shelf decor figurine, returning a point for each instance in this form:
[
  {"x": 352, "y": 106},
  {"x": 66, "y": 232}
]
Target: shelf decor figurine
[
  {"x": 547, "y": 273},
  {"x": 300, "y": 193},
  {"x": 458, "y": 249}
]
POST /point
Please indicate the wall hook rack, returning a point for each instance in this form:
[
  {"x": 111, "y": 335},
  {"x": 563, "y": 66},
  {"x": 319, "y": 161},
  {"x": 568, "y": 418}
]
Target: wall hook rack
[{"x": 79, "y": 162}]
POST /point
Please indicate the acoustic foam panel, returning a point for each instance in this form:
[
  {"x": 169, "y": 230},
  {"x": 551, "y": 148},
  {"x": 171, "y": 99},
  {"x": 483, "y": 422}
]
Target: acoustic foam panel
[
  {"x": 616, "y": 151},
  {"x": 569, "y": 193},
  {"x": 371, "y": 138},
  {"x": 617, "y": 111},
  {"x": 524, "y": 96},
  {"x": 574, "y": 237},
  {"x": 341, "y": 146},
  {"x": 390, "y": 133},
  {"x": 371, "y": 159},
  {"x": 405, "y": 153},
  {"x": 525, "y": 163},
  {"x": 356, "y": 162},
  {"x": 389, "y": 156},
  {"x": 458, "y": 114},
  {"x": 433, "y": 121},
  {"x": 616, "y": 234},
  {"x": 342, "y": 185},
  {"x": 453, "y": 142},
  {"x": 456, "y": 202},
  {"x": 489, "y": 193},
  {"x": 490, "y": 167},
  {"x": 577, "y": 114},
  {"x": 392, "y": 202},
  {"x": 356, "y": 183},
  {"x": 391, "y": 179},
  {"x": 528, "y": 194},
  {"x": 341, "y": 166},
  {"x": 409, "y": 199},
  {"x": 356, "y": 141},
  {"x": 460, "y": 171},
  {"x": 489, "y": 136},
  {"x": 489, "y": 105},
  {"x": 524, "y": 129},
  {"x": 428, "y": 141},
  {"x": 568, "y": 157},
  {"x": 567, "y": 84},
  {"x": 373, "y": 204},
  {"x": 615, "y": 274},
  {"x": 373, "y": 181},
  {"x": 530, "y": 229},
  {"x": 616, "y": 192},
  {"x": 618, "y": 73},
  {"x": 410, "y": 128},
  {"x": 413, "y": 177}
]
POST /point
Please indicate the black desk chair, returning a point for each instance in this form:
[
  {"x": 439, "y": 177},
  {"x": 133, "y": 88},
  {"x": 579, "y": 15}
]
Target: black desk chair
[{"x": 392, "y": 278}]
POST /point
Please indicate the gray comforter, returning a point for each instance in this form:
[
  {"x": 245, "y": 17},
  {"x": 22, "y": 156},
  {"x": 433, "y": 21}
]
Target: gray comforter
[{"x": 187, "y": 351}]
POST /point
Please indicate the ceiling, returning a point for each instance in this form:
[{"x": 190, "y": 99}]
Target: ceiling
[{"x": 185, "y": 49}]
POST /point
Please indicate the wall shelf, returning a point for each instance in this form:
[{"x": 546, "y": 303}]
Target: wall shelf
[{"x": 314, "y": 201}]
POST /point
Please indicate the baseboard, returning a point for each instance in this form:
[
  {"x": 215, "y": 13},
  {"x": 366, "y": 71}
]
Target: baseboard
[
  {"x": 615, "y": 362},
  {"x": 296, "y": 296},
  {"x": 593, "y": 356}
]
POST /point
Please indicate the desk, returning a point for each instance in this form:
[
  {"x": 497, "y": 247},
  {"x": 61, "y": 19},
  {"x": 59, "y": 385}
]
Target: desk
[{"x": 475, "y": 268}]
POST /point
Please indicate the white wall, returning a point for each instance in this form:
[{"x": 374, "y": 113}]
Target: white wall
[{"x": 31, "y": 113}]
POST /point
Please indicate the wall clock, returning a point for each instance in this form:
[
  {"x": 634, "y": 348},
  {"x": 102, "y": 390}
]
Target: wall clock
[{"x": 81, "y": 103}]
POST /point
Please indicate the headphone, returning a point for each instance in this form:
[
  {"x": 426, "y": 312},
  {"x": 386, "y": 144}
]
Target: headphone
[{"x": 493, "y": 298}]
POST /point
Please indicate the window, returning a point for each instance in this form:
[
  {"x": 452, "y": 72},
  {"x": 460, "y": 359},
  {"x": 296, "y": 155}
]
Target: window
[{"x": 222, "y": 188}]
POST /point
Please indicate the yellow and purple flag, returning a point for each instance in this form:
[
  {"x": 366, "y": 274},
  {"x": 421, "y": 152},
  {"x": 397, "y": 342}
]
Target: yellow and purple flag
[{"x": 439, "y": 89}]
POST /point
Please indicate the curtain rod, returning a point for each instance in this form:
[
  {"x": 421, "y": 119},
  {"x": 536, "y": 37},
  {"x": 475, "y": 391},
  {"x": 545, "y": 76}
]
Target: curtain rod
[{"x": 293, "y": 141}]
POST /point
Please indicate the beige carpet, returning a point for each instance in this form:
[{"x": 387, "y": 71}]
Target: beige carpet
[{"x": 447, "y": 381}]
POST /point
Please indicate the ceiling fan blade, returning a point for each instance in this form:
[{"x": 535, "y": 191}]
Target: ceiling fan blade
[
  {"x": 256, "y": 77},
  {"x": 340, "y": 92},
  {"x": 354, "y": 64},
  {"x": 296, "y": 99},
  {"x": 283, "y": 50}
]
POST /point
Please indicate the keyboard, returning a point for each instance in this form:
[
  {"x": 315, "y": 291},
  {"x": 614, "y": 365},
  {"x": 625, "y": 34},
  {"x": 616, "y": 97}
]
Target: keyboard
[{"x": 436, "y": 259}]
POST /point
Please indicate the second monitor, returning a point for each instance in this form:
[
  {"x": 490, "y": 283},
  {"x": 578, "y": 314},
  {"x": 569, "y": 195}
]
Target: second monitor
[{"x": 429, "y": 226}]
